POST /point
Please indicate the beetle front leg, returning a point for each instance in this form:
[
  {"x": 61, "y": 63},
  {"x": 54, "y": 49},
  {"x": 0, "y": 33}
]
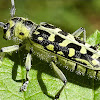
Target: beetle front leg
[
  {"x": 28, "y": 67},
  {"x": 61, "y": 76},
  {"x": 8, "y": 49}
]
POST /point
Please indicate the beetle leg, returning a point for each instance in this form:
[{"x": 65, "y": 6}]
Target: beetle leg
[
  {"x": 28, "y": 67},
  {"x": 61, "y": 76},
  {"x": 78, "y": 32},
  {"x": 10, "y": 48}
]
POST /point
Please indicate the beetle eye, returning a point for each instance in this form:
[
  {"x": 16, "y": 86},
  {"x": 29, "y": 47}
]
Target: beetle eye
[{"x": 21, "y": 33}]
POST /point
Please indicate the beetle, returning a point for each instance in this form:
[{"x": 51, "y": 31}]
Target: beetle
[{"x": 52, "y": 45}]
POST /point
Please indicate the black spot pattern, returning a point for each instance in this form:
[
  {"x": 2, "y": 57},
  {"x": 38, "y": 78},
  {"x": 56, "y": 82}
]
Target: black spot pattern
[
  {"x": 28, "y": 23},
  {"x": 72, "y": 45},
  {"x": 11, "y": 30},
  {"x": 63, "y": 33},
  {"x": 49, "y": 26},
  {"x": 93, "y": 47},
  {"x": 58, "y": 39},
  {"x": 45, "y": 42},
  {"x": 16, "y": 19},
  {"x": 89, "y": 53},
  {"x": 43, "y": 34}
]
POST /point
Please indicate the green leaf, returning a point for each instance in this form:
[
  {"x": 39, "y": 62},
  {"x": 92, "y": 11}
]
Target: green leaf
[
  {"x": 43, "y": 83},
  {"x": 94, "y": 39}
]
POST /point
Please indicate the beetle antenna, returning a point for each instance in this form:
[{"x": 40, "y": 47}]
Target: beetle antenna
[
  {"x": 2, "y": 24},
  {"x": 12, "y": 12}
]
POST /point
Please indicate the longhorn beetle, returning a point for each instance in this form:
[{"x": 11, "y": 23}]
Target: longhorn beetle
[{"x": 55, "y": 45}]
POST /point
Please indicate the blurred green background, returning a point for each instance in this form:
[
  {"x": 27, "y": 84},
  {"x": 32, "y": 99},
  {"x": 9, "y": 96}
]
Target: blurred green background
[{"x": 69, "y": 15}]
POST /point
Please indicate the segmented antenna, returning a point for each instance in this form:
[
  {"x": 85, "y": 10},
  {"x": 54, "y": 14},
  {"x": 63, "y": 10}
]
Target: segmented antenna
[
  {"x": 2, "y": 24},
  {"x": 12, "y": 12}
]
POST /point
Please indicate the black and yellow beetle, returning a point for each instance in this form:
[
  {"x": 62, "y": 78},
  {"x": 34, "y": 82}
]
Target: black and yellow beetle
[{"x": 52, "y": 45}]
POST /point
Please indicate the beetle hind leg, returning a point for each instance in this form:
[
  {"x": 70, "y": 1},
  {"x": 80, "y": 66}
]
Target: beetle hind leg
[
  {"x": 79, "y": 32},
  {"x": 61, "y": 76}
]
